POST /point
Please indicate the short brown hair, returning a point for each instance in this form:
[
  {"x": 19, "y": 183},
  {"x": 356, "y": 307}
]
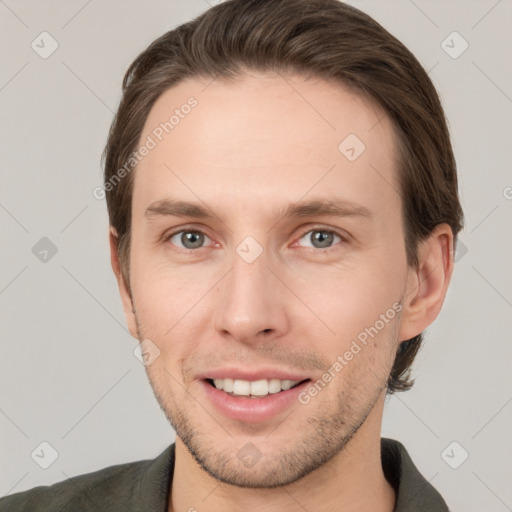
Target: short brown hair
[{"x": 321, "y": 38}]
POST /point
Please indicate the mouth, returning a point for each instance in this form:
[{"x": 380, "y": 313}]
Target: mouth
[
  {"x": 253, "y": 401},
  {"x": 254, "y": 389}
]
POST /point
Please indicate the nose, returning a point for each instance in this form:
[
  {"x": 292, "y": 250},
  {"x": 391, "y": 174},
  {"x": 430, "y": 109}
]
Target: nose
[{"x": 251, "y": 305}]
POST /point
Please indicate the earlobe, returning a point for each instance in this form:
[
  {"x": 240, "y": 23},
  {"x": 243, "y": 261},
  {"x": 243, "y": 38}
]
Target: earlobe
[
  {"x": 428, "y": 283},
  {"x": 126, "y": 296}
]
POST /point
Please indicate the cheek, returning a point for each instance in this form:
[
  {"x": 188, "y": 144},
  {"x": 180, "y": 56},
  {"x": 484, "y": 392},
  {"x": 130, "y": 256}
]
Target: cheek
[
  {"x": 158, "y": 286},
  {"x": 349, "y": 298},
  {"x": 360, "y": 305},
  {"x": 169, "y": 303}
]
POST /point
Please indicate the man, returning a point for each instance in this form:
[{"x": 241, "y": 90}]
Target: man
[{"x": 282, "y": 196}]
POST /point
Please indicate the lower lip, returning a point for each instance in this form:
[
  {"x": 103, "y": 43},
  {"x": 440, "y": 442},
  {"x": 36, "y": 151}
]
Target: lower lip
[{"x": 252, "y": 409}]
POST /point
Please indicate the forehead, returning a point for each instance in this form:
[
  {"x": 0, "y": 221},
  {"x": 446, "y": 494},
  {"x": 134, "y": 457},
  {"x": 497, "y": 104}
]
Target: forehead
[{"x": 265, "y": 137}]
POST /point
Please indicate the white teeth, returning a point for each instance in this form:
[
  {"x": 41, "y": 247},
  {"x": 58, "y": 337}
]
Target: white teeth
[
  {"x": 286, "y": 384},
  {"x": 274, "y": 386},
  {"x": 254, "y": 388},
  {"x": 242, "y": 387},
  {"x": 259, "y": 387},
  {"x": 228, "y": 385}
]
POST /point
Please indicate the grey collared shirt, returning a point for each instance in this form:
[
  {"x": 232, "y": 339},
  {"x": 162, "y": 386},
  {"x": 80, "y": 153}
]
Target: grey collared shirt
[{"x": 144, "y": 486}]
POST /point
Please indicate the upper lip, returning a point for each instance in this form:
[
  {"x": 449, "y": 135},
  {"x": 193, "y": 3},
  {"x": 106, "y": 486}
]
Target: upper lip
[{"x": 252, "y": 374}]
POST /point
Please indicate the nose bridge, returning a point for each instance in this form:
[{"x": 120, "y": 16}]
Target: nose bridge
[{"x": 249, "y": 301}]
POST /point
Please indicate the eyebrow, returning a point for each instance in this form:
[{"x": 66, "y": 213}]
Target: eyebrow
[
  {"x": 318, "y": 207},
  {"x": 168, "y": 207}
]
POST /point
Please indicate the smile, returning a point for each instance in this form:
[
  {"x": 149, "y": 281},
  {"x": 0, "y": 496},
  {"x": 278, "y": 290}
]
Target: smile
[
  {"x": 252, "y": 401},
  {"x": 253, "y": 389}
]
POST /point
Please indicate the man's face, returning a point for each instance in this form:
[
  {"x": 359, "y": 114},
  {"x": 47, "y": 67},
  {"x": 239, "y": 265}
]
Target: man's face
[{"x": 252, "y": 295}]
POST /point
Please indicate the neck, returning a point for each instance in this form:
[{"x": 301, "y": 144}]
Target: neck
[{"x": 352, "y": 481}]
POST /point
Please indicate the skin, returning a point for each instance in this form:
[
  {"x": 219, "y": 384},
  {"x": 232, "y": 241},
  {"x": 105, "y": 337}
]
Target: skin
[{"x": 251, "y": 146}]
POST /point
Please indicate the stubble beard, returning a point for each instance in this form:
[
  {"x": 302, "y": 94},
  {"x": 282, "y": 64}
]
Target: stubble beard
[{"x": 321, "y": 438}]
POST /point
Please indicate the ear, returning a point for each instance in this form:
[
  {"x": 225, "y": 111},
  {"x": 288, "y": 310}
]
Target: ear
[
  {"x": 428, "y": 283},
  {"x": 126, "y": 297}
]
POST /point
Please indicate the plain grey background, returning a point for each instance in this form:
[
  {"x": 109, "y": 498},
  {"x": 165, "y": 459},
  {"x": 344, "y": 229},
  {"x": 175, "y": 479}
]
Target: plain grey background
[{"x": 68, "y": 374}]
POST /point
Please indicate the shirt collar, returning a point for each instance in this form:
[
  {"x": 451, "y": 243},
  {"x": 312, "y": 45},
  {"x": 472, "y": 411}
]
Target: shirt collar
[{"x": 413, "y": 491}]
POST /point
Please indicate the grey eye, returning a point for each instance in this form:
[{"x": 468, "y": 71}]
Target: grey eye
[
  {"x": 320, "y": 238},
  {"x": 189, "y": 239}
]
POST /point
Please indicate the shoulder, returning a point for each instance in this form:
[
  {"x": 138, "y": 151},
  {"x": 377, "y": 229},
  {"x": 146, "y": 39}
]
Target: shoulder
[
  {"x": 413, "y": 491},
  {"x": 82, "y": 491},
  {"x": 112, "y": 488}
]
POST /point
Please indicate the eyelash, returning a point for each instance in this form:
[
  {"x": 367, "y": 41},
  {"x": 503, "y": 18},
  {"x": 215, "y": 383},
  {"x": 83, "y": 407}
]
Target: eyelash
[
  {"x": 343, "y": 238},
  {"x": 317, "y": 250}
]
